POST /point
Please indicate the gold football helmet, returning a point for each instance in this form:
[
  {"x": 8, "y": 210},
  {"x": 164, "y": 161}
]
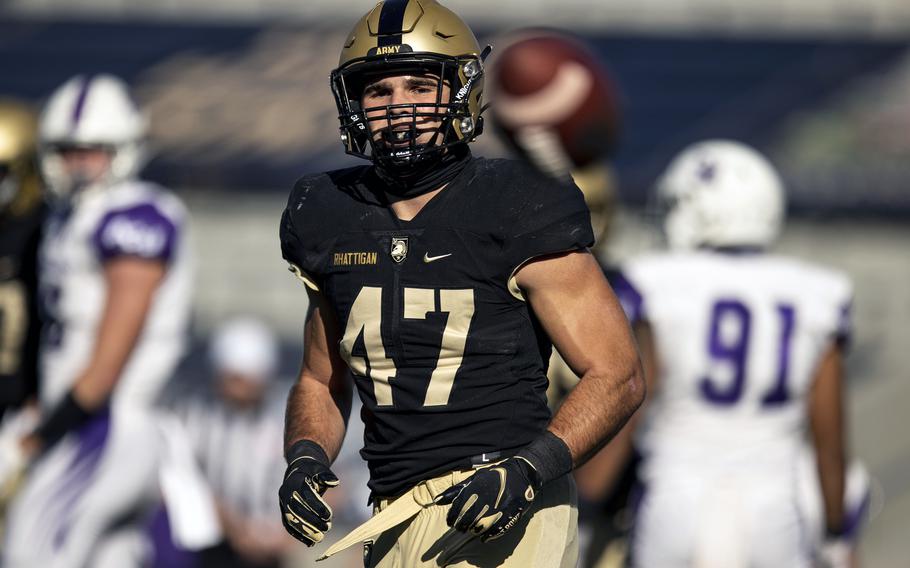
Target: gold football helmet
[
  {"x": 401, "y": 36},
  {"x": 598, "y": 186},
  {"x": 19, "y": 188}
]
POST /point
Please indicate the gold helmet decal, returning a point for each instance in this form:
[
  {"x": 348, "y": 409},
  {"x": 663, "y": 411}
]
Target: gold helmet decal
[
  {"x": 19, "y": 187},
  {"x": 403, "y": 35}
]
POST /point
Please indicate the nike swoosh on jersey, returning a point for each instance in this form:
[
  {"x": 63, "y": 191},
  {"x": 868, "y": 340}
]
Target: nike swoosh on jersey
[{"x": 428, "y": 259}]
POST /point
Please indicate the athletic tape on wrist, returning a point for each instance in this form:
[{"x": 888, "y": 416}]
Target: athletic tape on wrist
[
  {"x": 306, "y": 449},
  {"x": 65, "y": 417},
  {"x": 549, "y": 455}
]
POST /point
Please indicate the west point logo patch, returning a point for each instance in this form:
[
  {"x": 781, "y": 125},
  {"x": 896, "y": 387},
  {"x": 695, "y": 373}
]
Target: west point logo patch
[{"x": 399, "y": 250}]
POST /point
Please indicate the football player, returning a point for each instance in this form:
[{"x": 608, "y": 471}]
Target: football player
[
  {"x": 114, "y": 284},
  {"x": 439, "y": 281},
  {"x": 21, "y": 213},
  {"x": 746, "y": 350}
]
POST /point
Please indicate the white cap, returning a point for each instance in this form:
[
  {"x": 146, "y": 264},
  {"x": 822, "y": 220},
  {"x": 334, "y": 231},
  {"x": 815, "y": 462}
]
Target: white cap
[{"x": 246, "y": 346}]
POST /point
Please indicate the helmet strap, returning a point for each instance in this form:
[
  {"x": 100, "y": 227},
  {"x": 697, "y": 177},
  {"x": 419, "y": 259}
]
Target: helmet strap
[{"x": 401, "y": 182}]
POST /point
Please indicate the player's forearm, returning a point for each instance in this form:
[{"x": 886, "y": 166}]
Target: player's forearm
[
  {"x": 832, "y": 478},
  {"x": 315, "y": 413},
  {"x": 132, "y": 284},
  {"x": 826, "y": 419},
  {"x": 597, "y": 409},
  {"x": 120, "y": 328}
]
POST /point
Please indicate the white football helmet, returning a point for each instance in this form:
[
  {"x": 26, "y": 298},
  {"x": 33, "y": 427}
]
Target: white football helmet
[
  {"x": 91, "y": 112},
  {"x": 721, "y": 193}
]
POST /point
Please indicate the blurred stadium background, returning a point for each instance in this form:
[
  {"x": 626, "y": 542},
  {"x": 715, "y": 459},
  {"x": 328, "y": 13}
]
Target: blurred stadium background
[{"x": 240, "y": 106}]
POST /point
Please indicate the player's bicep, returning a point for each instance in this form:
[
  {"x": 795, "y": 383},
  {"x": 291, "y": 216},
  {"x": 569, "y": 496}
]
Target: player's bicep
[
  {"x": 579, "y": 311},
  {"x": 131, "y": 286}
]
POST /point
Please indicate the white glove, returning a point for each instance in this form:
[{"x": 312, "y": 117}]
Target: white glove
[
  {"x": 12, "y": 467},
  {"x": 13, "y": 459},
  {"x": 835, "y": 553}
]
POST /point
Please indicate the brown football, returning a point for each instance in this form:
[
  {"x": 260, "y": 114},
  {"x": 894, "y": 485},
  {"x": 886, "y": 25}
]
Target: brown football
[{"x": 553, "y": 101}]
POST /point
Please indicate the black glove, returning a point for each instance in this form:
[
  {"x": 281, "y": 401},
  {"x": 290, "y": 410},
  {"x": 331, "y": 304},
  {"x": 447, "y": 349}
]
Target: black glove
[
  {"x": 303, "y": 512},
  {"x": 491, "y": 501}
]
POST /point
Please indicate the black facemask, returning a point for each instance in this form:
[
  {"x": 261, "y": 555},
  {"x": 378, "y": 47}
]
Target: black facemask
[{"x": 410, "y": 180}]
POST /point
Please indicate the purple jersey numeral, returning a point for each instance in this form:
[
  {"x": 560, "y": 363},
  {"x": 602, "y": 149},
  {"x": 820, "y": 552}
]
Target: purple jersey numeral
[
  {"x": 779, "y": 394},
  {"x": 732, "y": 348}
]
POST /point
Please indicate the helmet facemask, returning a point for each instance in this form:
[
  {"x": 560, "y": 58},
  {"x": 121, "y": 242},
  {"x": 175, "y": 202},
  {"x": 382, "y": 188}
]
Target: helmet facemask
[
  {"x": 390, "y": 135},
  {"x": 66, "y": 181}
]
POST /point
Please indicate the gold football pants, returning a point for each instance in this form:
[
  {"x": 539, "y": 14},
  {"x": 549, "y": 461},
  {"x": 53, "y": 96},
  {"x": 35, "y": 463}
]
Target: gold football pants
[{"x": 411, "y": 532}]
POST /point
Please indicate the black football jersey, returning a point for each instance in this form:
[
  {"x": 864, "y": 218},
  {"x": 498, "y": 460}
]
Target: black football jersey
[
  {"x": 448, "y": 359},
  {"x": 19, "y": 327}
]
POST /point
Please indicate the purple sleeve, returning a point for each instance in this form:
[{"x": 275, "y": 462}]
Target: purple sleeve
[
  {"x": 141, "y": 230},
  {"x": 629, "y": 297}
]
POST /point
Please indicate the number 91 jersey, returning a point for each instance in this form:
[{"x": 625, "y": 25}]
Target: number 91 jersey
[
  {"x": 446, "y": 355},
  {"x": 737, "y": 338}
]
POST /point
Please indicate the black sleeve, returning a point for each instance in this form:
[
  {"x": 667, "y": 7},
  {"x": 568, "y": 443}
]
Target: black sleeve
[
  {"x": 33, "y": 335},
  {"x": 299, "y": 244},
  {"x": 545, "y": 217}
]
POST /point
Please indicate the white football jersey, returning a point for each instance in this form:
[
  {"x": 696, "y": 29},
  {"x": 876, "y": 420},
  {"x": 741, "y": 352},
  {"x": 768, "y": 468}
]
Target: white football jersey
[
  {"x": 132, "y": 218},
  {"x": 738, "y": 337}
]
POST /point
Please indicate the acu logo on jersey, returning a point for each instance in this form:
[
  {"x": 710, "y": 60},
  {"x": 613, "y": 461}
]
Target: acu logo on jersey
[{"x": 399, "y": 249}]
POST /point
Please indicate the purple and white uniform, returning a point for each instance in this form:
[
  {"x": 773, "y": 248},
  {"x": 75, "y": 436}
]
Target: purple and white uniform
[
  {"x": 82, "y": 497},
  {"x": 135, "y": 219},
  {"x": 738, "y": 338}
]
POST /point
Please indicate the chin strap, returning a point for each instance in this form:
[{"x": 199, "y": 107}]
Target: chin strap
[{"x": 404, "y": 182}]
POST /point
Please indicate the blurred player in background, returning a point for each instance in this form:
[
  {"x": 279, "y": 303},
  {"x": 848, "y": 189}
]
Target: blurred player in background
[
  {"x": 21, "y": 215},
  {"x": 439, "y": 281},
  {"x": 745, "y": 352},
  {"x": 236, "y": 429},
  {"x": 115, "y": 287},
  {"x": 605, "y": 481}
]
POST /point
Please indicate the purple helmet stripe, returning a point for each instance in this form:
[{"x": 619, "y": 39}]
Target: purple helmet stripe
[{"x": 80, "y": 101}]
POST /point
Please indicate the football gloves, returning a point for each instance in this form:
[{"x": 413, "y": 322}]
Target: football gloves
[
  {"x": 13, "y": 462},
  {"x": 835, "y": 553},
  {"x": 304, "y": 513},
  {"x": 491, "y": 501}
]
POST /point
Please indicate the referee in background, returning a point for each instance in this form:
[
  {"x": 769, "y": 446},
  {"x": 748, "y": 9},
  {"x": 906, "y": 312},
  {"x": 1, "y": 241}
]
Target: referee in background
[{"x": 236, "y": 426}]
